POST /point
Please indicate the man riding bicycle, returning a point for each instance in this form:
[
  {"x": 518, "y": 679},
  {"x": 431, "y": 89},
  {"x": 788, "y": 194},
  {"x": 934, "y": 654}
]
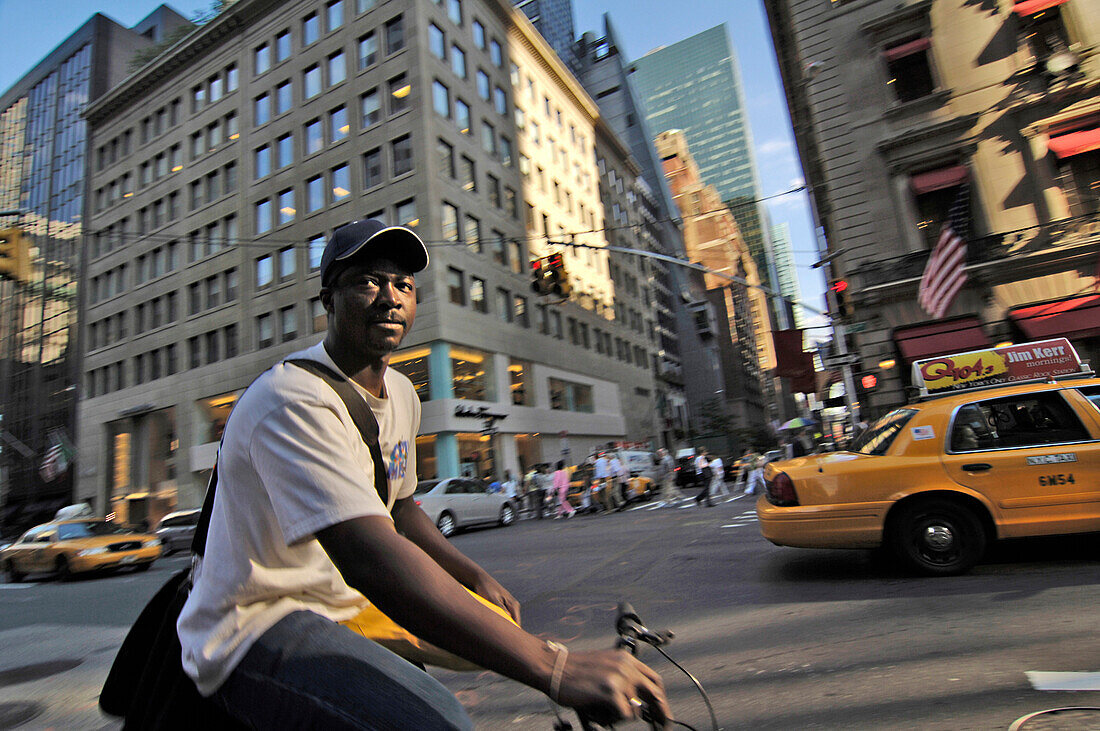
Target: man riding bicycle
[{"x": 300, "y": 541}]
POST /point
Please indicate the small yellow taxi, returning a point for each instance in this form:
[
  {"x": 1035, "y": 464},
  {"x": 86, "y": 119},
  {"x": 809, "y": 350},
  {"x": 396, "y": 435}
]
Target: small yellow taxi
[
  {"x": 1001, "y": 443},
  {"x": 70, "y": 547}
]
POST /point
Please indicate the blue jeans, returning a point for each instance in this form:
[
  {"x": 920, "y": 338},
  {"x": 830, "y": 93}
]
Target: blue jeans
[{"x": 309, "y": 672}]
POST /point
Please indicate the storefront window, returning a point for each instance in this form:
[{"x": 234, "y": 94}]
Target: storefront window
[
  {"x": 414, "y": 364},
  {"x": 568, "y": 396},
  {"x": 519, "y": 372},
  {"x": 476, "y": 455},
  {"x": 142, "y": 478},
  {"x": 528, "y": 450},
  {"x": 472, "y": 375},
  {"x": 213, "y": 412},
  {"x": 427, "y": 468}
]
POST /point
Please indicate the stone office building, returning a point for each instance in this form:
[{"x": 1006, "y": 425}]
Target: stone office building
[
  {"x": 903, "y": 111},
  {"x": 275, "y": 123}
]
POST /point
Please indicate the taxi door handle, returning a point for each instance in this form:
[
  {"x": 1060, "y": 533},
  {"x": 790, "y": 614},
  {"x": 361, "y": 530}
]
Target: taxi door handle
[{"x": 977, "y": 467}]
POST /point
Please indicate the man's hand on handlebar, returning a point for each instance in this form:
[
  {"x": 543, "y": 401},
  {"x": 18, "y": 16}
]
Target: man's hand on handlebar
[{"x": 607, "y": 686}]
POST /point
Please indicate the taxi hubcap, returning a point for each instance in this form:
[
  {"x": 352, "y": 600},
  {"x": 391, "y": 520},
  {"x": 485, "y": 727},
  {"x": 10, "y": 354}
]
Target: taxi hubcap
[{"x": 938, "y": 537}]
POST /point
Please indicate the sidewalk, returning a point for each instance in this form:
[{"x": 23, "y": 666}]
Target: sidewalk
[{"x": 51, "y": 674}]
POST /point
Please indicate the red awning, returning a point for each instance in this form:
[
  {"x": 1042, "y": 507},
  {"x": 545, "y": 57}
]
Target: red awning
[
  {"x": 939, "y": 179},
  {"x": 1030, "y": 7},
  {"x": 941, "y": 337},
  {"x": 907, "y": 49},
  {"x": 1074, "y": 317},
  {"x": 1075, "y": 143}
]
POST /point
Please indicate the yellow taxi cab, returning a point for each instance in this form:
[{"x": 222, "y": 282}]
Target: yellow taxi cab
[
  {"x": 1001, "y": 443},
  {"x": 69, "y": 547}
]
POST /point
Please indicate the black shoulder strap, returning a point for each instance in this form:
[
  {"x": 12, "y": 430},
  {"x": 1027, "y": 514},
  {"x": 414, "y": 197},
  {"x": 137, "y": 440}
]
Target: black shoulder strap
[{"x": 361, "y": 415}]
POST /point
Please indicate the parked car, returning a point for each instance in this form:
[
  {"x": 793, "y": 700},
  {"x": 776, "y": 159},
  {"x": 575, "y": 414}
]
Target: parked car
[
  {"x": 460, "y": 502},
  {"x": 177, "y": 530},
  {"x": 69, "y": 547},
  {"x": 685, "y": 469},
  {"x": 940, "y": 478}
]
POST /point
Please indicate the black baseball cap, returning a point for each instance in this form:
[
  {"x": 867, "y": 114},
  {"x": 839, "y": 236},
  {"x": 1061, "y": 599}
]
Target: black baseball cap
[{"x": 398, "y": 243}]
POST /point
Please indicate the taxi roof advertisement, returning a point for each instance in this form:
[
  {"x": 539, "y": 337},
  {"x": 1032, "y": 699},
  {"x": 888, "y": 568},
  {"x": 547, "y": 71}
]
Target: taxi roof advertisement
[{"x": 996, "y": 366}]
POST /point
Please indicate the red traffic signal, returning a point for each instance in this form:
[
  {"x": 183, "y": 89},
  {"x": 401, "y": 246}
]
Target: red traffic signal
[
  {"x": 839, "y": 285},
  {"x": 869, "y": 381}
]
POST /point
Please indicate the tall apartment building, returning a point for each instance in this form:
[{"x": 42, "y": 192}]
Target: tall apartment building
[
  {"x": 652, "y": 223},
  {"x": 904, "y": 111},
  {"x": 733, "y": 317},
  {"x": 42, "y": 174},
  {"x": 292, "y": 118},
  {"x": 694, "y": 86}
]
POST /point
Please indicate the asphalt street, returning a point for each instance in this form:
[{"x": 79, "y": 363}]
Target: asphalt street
[{"x": 780, "y": 638}]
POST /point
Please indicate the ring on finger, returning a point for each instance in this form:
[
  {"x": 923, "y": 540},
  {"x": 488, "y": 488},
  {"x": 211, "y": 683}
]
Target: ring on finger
[{"x": 636, "y": 702}]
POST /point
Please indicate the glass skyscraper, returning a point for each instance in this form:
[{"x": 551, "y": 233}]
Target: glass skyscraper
[
  {"x": 554, "y": 21},
  {"x": 694, "y": 86}
]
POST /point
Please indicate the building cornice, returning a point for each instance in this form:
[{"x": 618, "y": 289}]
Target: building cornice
[{"x": 135, "y": 89}]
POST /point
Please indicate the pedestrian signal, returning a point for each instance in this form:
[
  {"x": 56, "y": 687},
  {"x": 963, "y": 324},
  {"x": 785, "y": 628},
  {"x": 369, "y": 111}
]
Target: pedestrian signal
[{"x": 842, "y": 291}]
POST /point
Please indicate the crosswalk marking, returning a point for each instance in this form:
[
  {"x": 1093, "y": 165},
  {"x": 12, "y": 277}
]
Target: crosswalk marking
[
  {"x": 1048, "y": 680},
  {"x": 17, "y": 586}
]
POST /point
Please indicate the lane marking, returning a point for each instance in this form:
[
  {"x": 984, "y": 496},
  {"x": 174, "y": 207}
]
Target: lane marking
[
  {"x": 17, "y": 586},
  {"x": 1048, "y": 680}
]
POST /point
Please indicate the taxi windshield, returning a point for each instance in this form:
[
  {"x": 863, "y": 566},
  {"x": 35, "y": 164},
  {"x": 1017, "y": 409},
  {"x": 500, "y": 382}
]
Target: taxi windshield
[
  {"x": 69, "y": 531},
  {"x": 877, "y": 438}
]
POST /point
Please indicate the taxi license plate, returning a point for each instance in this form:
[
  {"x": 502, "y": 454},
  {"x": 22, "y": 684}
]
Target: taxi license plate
[{"x": 128, "y": 559}]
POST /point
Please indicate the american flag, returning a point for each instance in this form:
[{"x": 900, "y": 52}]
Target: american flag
[{"x": 946, "y": 271}]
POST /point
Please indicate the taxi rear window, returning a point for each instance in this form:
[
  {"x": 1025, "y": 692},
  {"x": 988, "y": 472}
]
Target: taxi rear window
[{"x": 880, "y": 435}]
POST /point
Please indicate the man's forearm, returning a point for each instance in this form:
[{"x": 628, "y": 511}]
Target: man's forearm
[
  {"x": 415, "y": 525},
  {"x": 403, "y": 581}
]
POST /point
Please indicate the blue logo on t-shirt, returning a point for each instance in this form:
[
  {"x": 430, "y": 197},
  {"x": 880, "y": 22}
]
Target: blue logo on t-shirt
[{"x": 398, "y": 461}]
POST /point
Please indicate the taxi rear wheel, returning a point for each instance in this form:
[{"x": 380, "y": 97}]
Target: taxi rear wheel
[
  {"x": 14, "y": 574},
  {"x": 62, "y": 570},
  {"x": 938, "y": 537}
]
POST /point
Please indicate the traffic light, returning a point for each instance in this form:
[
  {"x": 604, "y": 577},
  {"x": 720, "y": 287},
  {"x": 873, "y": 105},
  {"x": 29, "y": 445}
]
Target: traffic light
[
  {"x": 15, "y": 257},
  {"x": 842, "y": 292},
  {"x": 548, "y": 276},
  {"x": 559, "y": 279},
  {"x": 868, "y": 381}
]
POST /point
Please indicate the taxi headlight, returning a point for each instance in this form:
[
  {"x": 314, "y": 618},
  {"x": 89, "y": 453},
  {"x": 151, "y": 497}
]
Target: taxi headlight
[
  {"x": 91, "y": 551},
  {"x": 152, "y": 542}
]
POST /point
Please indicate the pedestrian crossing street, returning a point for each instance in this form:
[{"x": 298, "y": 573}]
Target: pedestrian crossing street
[{"x": 744, "y": 518}]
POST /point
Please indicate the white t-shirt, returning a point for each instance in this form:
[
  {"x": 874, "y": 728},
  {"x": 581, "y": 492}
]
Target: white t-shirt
[
  {"x": 291, "y": 463},
  {"x": 716, "y": 467},
  {"x": 700, "y": 463}
]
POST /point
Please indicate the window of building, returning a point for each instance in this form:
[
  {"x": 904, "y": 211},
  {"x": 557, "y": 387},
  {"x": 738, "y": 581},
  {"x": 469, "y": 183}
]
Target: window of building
[
  {"x": 284, "y": 151},
  {"x": 477, "y": 295},
  {"x": 400, "y": 90},
  {"x": 519, "y": 375},
  {"x": 261, "y": 57},
  {"x": 263, "y": 216},
  {"x": 483, "y": 85},
  {"x": 282, "y": 46},
  {"x": 437, "y": 42},
  {"x": 370, "y": 108},
  {"x": 402, "y": 155},
  {"x": 468, "y": 174},
  {"x": 449, "y": 222},
  {"x": 935, "y": 192},
  {"x": 317, "y": 315},
  {"x": 314, "y": 136},
  {"x": 445, "y": 155},
  {"x": 492, "y": 183},
  {"x": 909, "y": 69},
  {"x": 334, "y": 14},
  {"x": 339, "y": 127},
  {"x": 414, "y": 364},
  {"x": 311, "y": 29},
  {"x": 337, "y": 68},
  {"x": 265, "y": 331},
  {"x": 569, "y": 396},
  {"x": 316, "y": 250},
  {"x": 311, "y": 82},
  {"x": 504, "y": 305},
  {"x": 362, "y": 6},
  {"x": 472, "y": 375},
  {"x": 405, "y": 211},
  {"x": 454, "y": 11},
  {"x": 456, "y": 290},
  {"x": 341, "y": 183},
  {"x": 478, "y": 31},
  {"x": 287, "y": 210},
  {"x": 441, "y": 99},
  {"x": 496, "y": 55},
  {"x": 458, "y": 62},
  {"x": 395, "y": 35},
  {"x": 368, "y": 50},
  {"x": 288, "y": 323},
  {"x": 261, "y": 110},
  {"x": 1078, "y": 168},
  {"x": 372, "y": 168},
  {"x": 288, "y": 263},
  {"x": 500, "y": 101},
  {"x": 462, "y": 116},
  {"x": 472, "y": 234},
  {"x": 232, "y": 285},
  {"x": 519, "y": 306},
  {"x": 284, "y": 97}
]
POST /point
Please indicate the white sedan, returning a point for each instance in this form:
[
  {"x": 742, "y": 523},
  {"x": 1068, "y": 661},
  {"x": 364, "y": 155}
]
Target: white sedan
[{"x": 461, "y": 502}]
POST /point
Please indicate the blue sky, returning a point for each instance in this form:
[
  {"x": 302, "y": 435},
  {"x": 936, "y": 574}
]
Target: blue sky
[{"x": 35, "y": 27}]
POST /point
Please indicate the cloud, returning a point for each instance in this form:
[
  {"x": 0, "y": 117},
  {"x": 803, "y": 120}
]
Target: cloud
[{"x": 775, "y": 148}]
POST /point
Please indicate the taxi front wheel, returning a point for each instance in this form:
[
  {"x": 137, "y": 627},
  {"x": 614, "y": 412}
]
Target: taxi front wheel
[{"x": 938, "y": 537}]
